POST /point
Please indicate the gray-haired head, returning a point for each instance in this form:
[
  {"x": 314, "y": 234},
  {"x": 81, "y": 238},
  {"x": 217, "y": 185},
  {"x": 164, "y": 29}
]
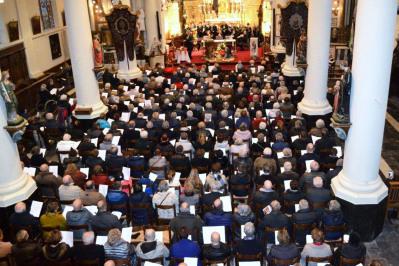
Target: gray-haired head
[{"x": 249, "y": 229}]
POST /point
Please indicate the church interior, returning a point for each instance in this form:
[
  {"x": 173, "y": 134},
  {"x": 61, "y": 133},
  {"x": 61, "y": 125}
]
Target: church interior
[{"x": 199, "y": 132}]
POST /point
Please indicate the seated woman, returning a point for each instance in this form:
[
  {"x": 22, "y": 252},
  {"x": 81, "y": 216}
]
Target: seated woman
[
  {"x": 99, "y": 176},
  {"x": 333, "y": 217},
  {"x": 52, "y": 219},
  {"x": 193, "y": 179},
  {"x": 53, "y": 250},
  {"x": 78, "y": 177},
  {"x": 285, "y": 249},
  {"x": 25, "y": 250},
  {"x": 317, "y": 249},
  {"x": 354, "y": 249},
  {"x": 165, "y": 197},
  {"x": 116, "y": 247},
  {"x": 242, "y": 215}
]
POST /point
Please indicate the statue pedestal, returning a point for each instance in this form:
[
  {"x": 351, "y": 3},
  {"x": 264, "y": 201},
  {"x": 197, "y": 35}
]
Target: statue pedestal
[
  {"x": 157, "y": 59},
  {"x": 292, "y": 71},
  {"x": 130, "y": 74}
]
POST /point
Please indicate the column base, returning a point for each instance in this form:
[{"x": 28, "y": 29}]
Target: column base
[
  {"x": 367, "y": 220},
  {"x": 314, "y": 107},
  {"x": 96, "y": 111},
  {"x": 133, "y": 74},
  {"x": 291, "y": 71},
  {"x": 16, "y": 191},
  {"x": 361, "y": 193},
  {"x": 278, "y": 49}
]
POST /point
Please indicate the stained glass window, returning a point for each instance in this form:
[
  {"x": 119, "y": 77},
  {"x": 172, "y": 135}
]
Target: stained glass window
[{"x": 46, "y": 12}]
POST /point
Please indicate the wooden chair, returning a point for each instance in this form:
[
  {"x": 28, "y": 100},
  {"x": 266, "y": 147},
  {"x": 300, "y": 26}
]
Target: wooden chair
[
  {"x": 158, "y": 169},
  {"x": 162, "y": 228},
  {"x": 66, "y": 202},
  {"x": 158, "y": 260},
  {"x": 352, "y": 262},
  {"x": 225, "y": 262},
  {"x": 334, "y": 229},
  {"x": 100, "y": 231},
  {"x": 62, "y": 155},
  {"x": 393, "y": 195},
  {"x": 203, "y": 169},
  {"x": 122, "y": 207},
  {"x": 163, "y": 221},
  {"x": 318, "y": 205},
  {"x": 286, "y": 262},
  {"x": 94, "y": 262},
  {"x": 122, "y": 262},
  {"x": 176, "y": 261},
  {"x": 268, "y": 230},
  {"x": 79, "y": 227},
  {"x": 306, "y": 228},
  {"x": 289, "y": 204},
  {"x": 67, "y": 262},
  {"x": 318, "y": 259},
  {"x": 48, "y": 229},
  {"x": 245, "y": 257},
  {"x": 240, "y": 187}
]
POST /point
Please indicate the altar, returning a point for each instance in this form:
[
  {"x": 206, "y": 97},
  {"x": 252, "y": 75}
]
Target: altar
[{"x": 220, "y": 50}]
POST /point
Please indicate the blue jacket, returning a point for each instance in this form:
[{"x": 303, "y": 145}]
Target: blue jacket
[
  {"x": 218, "y": 218},
  {"x": 185, "y": 248}
]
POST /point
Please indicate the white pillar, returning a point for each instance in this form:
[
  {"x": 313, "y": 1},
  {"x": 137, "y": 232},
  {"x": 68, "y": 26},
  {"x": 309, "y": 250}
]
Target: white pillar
[
  {"x": 15, "y": 185},
  {"x": 81, "y": 53},
  {"x": 150, "y": 9},
  {"x": 128, "y": 69},
  {"x": 359, "y": 182},
  {"x": 319, "y": 27},
  {"x": 290, "y": 68}
]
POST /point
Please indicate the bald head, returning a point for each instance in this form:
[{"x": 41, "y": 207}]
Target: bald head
[
  {"x": 268, "y": 184},
  {"x": 184, "y": 207},
  {"x": 276, "y": 206},
  {"x": 317, "y": 182},
  {"x": 88, "y": 238},
  {"x": 20, "y": 207},
  {"x": 67, "y": 180},
  {"x": 314, "y": 166},
  {"x": 102, "y": 206},
  {"x": 215, "y": 239},
  {"x": 77, "y": 205},
  {"x": 109, "y": 263},
  {"x": 309, "y": 148},
  {"x": 43, "y": 168}
]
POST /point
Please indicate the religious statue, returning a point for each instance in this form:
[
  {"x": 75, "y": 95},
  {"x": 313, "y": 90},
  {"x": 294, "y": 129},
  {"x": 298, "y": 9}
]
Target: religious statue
[
  {"x": 15, "y": 123},
  {"x": 98, "y": 52},
  {"x": 156, "y": 48},
  {"x": 302, "y": 47},
  {"x": 342, "y": 99}
]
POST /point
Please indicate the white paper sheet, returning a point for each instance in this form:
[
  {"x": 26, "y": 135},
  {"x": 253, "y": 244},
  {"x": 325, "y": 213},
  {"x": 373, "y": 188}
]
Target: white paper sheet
[
  {"x": 125, "y": 117},
  {"x": 339, "y": 151},
  {"x": 202, "y": 177},
  {"x": 206, "y": 155},
  {"x": 126, "y": 173},
  {"x": 287, "y": 184},
  {"x": 85, "y": 170},
  {"x": 101, "y": 154},
  {"x": 296, "y": 207},
  {"x": 43, "y": 151},
  {"x": 191, "y": 261},
  {"x": 30, "y": 171},
  {"x": 67, "y": 237},
  {"x": 92, "y": 209},
  {"x": 293, "y": 138},
  {"x": 242, "y": 232},
  {"x": 249, "y": 263},
  {"x": 53, "y": 169},
  {"x": 208, "y": 230},
  {"x": 118, "y": 214},
  {"x": 115, "y": 140},
  {"x": 309, "y": 239},
  {"x": 36, "y": 208},
  {"x": 159, "y": 236},
  {"x": 192, "y": 209},
  {"x": 147, "y": 263},
  {"x": 67, "y": 208},
  {"x": 226, "y": 200},
  {"x": 100, "y": 240},
  {"x": 314, "y": 139},
  {"x": 307, "y": 163},
  {"x": 275, "y": 238},
  {"x": 152, "y": 176},
  {"x": 303, "y": 152},
  {"x": 127, "y": 234},
  {"x": 103, "y": 189}
]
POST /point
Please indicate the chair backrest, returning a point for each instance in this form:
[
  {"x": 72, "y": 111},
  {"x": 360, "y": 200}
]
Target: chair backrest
[
  {"x": 353, "y": 262},
  {"x": 318, "y": 259},
  {"x": 66, "y": 202},
  {"x": 318, "y": 205},
  {"x": 101, "y": 231},
  {"x": 93, "y": 262},
  {"x": 136, "y": 208},
  {"x": 285, "y": 262},
  {"x": 122, "y": 262},
  {"x": 159, "y": 260},
  {"x": 247, "y": 257},
  {"x": 78, "y": 227},
  {"x": 166, "y": 207},
  {"x": 212, "y": 262},
  {"x": 335, "y": 228}
]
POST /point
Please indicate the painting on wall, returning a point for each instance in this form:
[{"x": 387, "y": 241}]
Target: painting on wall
[
  {"x": 55, "y": 46},
  {"x": 36, "y": 28},
  {"x": 46, "y": 12},
  {"x": 13, "y": 30}
]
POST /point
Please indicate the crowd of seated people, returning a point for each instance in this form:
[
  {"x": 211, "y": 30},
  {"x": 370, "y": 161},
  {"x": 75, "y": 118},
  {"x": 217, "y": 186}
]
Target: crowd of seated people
[{"x": 177, "y": 154}]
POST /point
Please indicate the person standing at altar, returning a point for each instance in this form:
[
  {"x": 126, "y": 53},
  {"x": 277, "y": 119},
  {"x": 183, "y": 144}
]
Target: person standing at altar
[{"x": 189, "y": 43}]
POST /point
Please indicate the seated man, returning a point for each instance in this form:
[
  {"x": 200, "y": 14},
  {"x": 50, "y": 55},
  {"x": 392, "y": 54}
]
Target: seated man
[
  {"x": 107, "y": 142},
  {"x": 184, "y": 219},
  {"x": 78, "y": 216},
  {"x": 240, "y": 178},
  {"x": 288, "y": 173},
  {"x": 184, "y": 247},
  {"x": 317, "y": 195},
  {"x": 317, "y": 249},
  {"x": 89, "y": 250},
  {"x": 306, "y": 179},
  {"x": 275, "y": 219},
  {"x": 293, "y": 195},
  {"x": 266, "y": 194},
  {"x": 180, "y": 161},
  {"x": 216, "y": 250},
  {"x": 249, "y": 245},
  {"x": 23, "y": 219},
  {"x": 115, "y": 196},
  {"x": 217, "y": 217},
  {"x": 215, "y": 193},
  {"x": 68, "y": 191},
  {"x": 114, "y": 162},
  {"x": 103, "y": 219},
  {"x": 309, "y": 155},
  {"x": 25, "y": 250},
  {"x": 333, "y": 216},
  {"x": 66, "y": 144},
  {"x": 150, "y": 248},
  {"x": 304, "y": 216},
  {"x": 285, "y": 249},
  {"x": 90, "y": 196}
]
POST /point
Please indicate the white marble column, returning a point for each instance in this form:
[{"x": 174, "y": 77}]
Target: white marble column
[
  {"x": 359, "y": 182},
  {"x": 319, "y": 28},
  {"x": 15, "y": 185},
  {"x": 150, "y": 9},
  {"x": 81, "y": 53}
]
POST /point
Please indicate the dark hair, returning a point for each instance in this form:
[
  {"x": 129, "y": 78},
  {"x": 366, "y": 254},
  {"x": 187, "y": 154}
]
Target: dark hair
[
  {"x": 354, "y": 239},
  {"x": 137, "y": 188},
  {"x": 54, "y": 237},
  {"x": 294, "y": 184},
  {"x": 183, "y": 233}
]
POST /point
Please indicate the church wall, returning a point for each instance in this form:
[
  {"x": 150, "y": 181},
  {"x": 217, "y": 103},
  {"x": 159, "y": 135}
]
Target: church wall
[{"x": 37, "y": 47}]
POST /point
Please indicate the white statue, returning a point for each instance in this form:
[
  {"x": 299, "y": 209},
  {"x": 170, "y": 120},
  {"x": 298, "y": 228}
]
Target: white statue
[{"x": 140, "y": 19}]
